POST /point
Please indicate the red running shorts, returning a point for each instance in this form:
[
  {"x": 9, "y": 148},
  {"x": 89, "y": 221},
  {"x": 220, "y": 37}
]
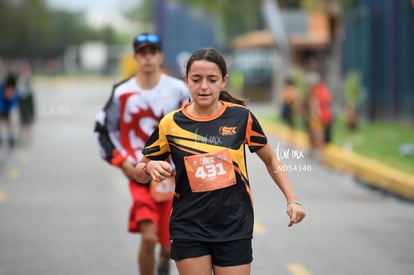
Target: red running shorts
[{"x": 145, "y": 208}]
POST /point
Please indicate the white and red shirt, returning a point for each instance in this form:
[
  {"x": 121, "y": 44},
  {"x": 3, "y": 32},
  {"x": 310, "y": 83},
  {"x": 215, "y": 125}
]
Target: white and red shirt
[{"x": 131, "y": 115}]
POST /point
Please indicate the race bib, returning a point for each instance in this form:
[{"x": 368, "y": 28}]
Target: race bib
[
  {"x": 210, "y": 171},
  {"x": 163, "y": 190}
]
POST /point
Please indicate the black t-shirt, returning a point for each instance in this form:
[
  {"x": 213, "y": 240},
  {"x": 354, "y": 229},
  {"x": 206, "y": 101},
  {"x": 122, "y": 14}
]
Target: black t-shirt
[{"x": 220, "y": 215}]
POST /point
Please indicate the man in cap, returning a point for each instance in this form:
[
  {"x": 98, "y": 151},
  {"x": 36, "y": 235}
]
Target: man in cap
[{"x": 123, "y": 126}]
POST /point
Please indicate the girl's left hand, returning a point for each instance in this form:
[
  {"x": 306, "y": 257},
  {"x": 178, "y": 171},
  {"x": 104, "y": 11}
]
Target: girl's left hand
[{"x": 296, "y": 213}]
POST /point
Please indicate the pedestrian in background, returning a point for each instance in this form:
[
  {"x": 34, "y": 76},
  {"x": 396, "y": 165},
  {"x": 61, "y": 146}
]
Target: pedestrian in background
[
  {"x": 317, "y": 112},
  {"x": 211, "y": 223},
  {"x": 323, "y": 95},
  {"x": 8, "y": 101},
  {"x": 289, "y": 105},
  {"x": 310, "y": 114},
  {"x": 123, "y": 126},
  {"x": 26, "y": 101},
  {"x": 26, "y": 97}
]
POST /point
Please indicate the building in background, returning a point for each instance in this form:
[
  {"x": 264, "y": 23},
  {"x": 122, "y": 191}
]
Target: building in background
[{"x": 256, "y": 54}]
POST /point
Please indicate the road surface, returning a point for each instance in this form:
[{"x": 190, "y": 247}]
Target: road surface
[{"x": 64, "y": 211}]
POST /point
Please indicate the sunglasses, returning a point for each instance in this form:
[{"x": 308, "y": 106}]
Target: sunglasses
[{"x": 148, "y": 38}]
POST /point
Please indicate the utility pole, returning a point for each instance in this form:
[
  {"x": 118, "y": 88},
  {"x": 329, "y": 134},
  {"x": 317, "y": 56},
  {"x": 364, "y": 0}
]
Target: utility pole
[{"x": 273, "y": 18}]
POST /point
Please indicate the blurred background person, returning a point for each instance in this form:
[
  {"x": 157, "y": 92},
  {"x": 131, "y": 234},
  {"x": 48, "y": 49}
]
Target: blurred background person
[
  {"x": 26, "y": 100},
  {"x": 25, "y": 93},
  {"x": 8, "y": 101},
  {"x": 289, "y": 102},
  {"x": 317, "y": 112},
  {"x": 324, "y": 102},
  {"x": 310, "y": 114},
  {"x": 132, "y": 113}
]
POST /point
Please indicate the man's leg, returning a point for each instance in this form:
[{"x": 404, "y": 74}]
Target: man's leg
[
  {"x": 147, "y": 249},
  {"x": 3, "y": 124},
  {"x": 164, "y": 262},
  {"x": 11, "y": 138},
  {"x": 164, "y": 211}
]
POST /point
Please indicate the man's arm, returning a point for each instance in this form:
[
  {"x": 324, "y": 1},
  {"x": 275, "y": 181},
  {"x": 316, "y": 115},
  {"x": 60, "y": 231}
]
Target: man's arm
[{"x": 106, "y": 129}]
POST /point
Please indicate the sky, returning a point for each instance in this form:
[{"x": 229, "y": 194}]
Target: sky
[{"x": 92, "y": 5}]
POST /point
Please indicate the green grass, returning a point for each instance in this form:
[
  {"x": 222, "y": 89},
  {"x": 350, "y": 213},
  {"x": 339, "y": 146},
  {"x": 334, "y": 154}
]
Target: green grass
[
  {"x": 376, "y": 140},
  {"x": 380, "y": 141}
]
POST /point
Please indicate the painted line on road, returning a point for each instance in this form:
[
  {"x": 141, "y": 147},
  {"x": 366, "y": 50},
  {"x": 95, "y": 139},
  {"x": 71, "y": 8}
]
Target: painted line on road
[
  {"x": 3, "y": 196},
  {"x": 14, "y": 174},
  {"x": 23, "y": 158},
  {"x": 258, "y": 227},
  {"x": 297, "y": 269}
]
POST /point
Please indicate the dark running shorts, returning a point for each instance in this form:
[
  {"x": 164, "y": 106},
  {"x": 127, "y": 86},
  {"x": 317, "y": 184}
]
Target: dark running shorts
[{"x": 232, "y": 253}]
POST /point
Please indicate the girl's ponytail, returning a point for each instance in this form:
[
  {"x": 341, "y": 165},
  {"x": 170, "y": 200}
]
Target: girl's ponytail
[{"x": 226, "y": 96}]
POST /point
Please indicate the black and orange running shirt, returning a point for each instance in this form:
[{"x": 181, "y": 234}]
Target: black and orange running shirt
[{"x": 213, "y": 199}]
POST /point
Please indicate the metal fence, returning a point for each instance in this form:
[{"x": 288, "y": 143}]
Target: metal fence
[{"x": 379, "y": 43}]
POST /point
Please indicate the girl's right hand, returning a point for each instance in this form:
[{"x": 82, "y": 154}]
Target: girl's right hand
[{"x": 159, "y": 170}]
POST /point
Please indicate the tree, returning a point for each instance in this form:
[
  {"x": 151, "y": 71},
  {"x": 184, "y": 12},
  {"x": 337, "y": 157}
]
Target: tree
[
  {"x": 353, "y": 96},
  {"x": 29, "y": 28}
]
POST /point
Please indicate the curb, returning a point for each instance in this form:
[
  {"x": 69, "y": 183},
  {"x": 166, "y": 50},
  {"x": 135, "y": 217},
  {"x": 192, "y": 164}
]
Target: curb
[{"x": 369, "y": 171}]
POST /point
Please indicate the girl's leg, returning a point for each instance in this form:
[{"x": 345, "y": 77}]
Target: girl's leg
[
  {"x": 232, "y": 270},
  {"x": 190, "y": 266}
]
